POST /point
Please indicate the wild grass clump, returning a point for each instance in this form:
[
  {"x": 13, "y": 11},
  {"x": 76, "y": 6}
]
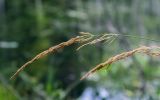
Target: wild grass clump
[{"x": 90, "y": 39}]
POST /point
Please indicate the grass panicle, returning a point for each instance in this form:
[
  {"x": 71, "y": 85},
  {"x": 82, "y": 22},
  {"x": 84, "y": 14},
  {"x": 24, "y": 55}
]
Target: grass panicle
[
  {"x": 143, "y": 49},
  {"x": 83, "y": 37},
  {"x": 46, "y": 52}
]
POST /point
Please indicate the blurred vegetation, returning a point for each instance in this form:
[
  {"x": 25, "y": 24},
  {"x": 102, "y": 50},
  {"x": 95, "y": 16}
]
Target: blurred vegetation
[{"x": 28, "y": 27}]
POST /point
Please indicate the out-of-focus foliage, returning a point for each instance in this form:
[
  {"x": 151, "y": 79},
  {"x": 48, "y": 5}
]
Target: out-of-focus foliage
[
  {"x": 28, "y": 27},
  {"x": 5, "y": 94}
]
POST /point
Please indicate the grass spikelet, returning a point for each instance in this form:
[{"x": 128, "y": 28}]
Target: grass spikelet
[
  {"x": 143, "y": 49},
  {"x": 92, "y": 39},
  {"x": 86, "y": 36}
]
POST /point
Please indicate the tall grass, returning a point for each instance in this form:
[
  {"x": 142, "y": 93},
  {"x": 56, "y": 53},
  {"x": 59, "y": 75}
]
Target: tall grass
[{"x": 89, "y": 39}]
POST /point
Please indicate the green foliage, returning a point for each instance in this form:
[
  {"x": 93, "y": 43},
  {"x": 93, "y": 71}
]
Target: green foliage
[
  {"x": 7, "y": 94},
  {"x": 28, "y": 27}
]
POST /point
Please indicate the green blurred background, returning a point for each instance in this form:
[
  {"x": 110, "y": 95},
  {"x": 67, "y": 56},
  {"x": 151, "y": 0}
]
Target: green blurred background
[{"x": 28, "y": 27}]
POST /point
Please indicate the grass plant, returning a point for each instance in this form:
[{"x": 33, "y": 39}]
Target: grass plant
[{"x": 85, "y": 39}]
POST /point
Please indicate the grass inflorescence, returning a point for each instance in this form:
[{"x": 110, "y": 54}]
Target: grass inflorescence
[
  {"x": 142, "y": 49},
  {"x": 85, "y": 39}
]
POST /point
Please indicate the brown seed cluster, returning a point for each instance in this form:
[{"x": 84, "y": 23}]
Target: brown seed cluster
[
  {"x": 143, "y": 49},
  {"x": 46, "y": 52}
]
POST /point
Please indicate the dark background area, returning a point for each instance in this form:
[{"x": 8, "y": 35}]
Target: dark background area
[{"x": 28, "y": 27}]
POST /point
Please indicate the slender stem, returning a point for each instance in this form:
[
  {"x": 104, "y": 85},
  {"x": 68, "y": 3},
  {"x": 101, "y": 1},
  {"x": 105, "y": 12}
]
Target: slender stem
[{"x": 126, "y": 35}]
